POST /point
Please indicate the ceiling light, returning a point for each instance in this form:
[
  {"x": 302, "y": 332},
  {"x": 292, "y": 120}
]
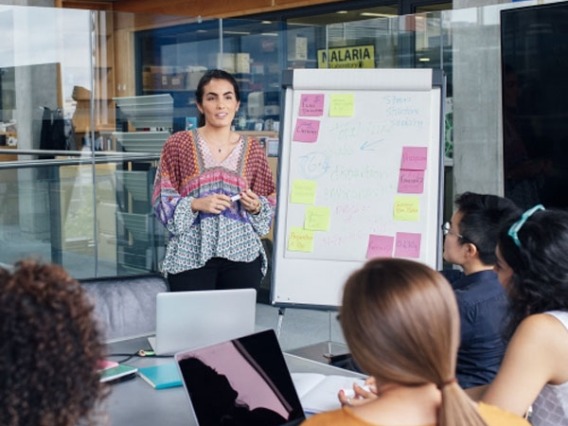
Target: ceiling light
[
  {"x": 376, "y": 15},
  {"x": 236, "y": 32}
]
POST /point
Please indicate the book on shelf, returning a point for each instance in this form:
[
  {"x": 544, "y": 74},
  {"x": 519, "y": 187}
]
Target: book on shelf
[
  {"x": 161, "y": 376},
  {"x": 318, "y": 392}
]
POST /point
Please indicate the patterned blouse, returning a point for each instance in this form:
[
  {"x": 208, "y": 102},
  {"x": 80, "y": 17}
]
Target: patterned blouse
[{"x": 188, "y": 170}]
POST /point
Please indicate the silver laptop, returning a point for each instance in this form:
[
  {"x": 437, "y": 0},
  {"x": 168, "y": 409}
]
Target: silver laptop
[
  {"x": 190, "y": 319},
  {"x": 243, "y": 381}
]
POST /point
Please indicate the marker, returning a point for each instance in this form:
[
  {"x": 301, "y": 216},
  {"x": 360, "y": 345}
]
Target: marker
[{"x": 236, "y": 197}]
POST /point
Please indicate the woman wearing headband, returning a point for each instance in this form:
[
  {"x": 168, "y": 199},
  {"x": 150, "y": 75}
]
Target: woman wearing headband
[
  {"x": 532, "y": 264},
  {"x": 401, "y": 322}
]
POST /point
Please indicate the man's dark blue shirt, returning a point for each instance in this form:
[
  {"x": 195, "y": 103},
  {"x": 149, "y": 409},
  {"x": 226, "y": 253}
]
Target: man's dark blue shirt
[{"x": 483, "y": 306}]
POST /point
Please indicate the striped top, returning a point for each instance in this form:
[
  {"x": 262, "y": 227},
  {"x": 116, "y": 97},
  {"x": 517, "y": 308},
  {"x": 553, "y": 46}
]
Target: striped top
[{"x": 188, "y": 170}]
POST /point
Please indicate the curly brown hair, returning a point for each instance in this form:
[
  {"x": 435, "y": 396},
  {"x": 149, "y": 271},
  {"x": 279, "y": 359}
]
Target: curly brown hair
[{"x": 49, "y": 348}]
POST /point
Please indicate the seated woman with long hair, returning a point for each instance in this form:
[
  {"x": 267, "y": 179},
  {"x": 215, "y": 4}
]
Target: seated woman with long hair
[
  {"x": 532, "y": 264},
  {"x": 401, "y": 322}
]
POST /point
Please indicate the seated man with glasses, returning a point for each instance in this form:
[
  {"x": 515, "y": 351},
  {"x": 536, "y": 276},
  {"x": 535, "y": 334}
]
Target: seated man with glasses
[{"x": 470, "y": 241}]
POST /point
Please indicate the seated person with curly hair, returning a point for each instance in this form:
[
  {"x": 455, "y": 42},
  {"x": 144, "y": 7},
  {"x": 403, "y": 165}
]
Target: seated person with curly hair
[{"x": 49, "y": 348}]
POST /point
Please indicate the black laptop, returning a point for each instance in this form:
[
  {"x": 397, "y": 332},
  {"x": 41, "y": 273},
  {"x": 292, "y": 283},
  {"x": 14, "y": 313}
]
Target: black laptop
[{"x": 244, "y": 381}]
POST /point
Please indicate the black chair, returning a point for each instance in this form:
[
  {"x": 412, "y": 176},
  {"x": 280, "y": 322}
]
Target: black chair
[{"x": 126, "y": 306}]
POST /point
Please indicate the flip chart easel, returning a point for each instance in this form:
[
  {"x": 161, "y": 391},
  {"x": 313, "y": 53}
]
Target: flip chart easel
[{"x": 360, "y": 176}]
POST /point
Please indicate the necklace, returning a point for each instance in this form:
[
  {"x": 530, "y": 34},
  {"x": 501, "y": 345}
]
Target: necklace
[{"x": 221, "y": 148}]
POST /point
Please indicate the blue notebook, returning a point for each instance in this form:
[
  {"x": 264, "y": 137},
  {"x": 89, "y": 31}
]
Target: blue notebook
[{"x": 161, "y": 376}]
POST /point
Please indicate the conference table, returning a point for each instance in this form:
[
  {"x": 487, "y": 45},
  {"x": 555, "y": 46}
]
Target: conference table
[{"x": 135, "y": 402}]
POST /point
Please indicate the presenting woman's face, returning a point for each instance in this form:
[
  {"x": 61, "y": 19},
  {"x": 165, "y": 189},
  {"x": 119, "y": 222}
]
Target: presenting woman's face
[{"x": 219, "y": 104}]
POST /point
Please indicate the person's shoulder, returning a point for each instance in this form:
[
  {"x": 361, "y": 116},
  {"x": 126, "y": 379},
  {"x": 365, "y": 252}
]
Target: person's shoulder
[
  {"x": 251, "y": 142},
  {"x": 340, "y": 417},
  {"x": 494, "y": 416},
  {"x": 541, "y": 328},
  {"x": 452, "y": 275},
  {"x": 327, "y": 418},
  {"x": 183, "y": 136},
  {"x": 480, "y": 288},
  {"x": 176, "y": 142},
  {"x": 560, "y": 316}
]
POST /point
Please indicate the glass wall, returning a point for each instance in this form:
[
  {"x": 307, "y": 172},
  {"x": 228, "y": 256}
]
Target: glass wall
[
  {"x": 88, "y": 98},
  {"x": 70, "y": 190},
  {"x": 171, "y": 60}
]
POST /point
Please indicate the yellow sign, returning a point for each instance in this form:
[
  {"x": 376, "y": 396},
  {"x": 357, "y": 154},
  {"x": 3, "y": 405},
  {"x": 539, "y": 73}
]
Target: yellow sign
[{"x": 347, "y": 57}]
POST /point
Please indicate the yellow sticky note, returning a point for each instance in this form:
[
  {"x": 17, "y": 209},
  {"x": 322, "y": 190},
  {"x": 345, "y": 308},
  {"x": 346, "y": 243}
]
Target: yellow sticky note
[
  {"x": 341, "y": 105},
  {"x": 407, "y": 208},
  {"x": 301, "y": 240},
  {"x": 303, "y": 191},
  {"x": 317, "y": 218}
]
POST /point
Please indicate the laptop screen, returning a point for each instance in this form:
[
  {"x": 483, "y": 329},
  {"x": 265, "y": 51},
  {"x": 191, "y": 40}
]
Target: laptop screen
[{"x": 244, "y": 381}]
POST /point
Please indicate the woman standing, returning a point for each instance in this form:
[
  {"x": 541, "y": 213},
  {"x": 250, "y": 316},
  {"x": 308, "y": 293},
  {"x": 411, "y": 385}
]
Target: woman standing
[{"x": 215, "y": 194}]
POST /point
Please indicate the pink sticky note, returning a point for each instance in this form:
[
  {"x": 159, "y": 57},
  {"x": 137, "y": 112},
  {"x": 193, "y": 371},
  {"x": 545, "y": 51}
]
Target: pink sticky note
[
  {"x": 311, "y": 105},
  {"x": 407, "y": 245},
  {"x": 414, "y": 158},
  {"x": 306, "y": 130},
  {"x": 379, "y": 246},
  {"x": 411, "y": 181}
]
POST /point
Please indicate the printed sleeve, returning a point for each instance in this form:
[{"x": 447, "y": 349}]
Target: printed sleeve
[
  {"x": 261, "y": 183},
  {"x": 166, "y": 199},
  {"x": 262, "y": 221}
]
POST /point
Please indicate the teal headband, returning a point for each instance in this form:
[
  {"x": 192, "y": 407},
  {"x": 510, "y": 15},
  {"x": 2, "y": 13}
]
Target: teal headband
[{"x": 516, "y": 227}]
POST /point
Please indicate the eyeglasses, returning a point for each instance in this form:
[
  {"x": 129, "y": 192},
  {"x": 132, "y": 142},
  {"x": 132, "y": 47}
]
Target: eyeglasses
[
  {"x": 516, "y": 227},
  {"x": 446, "y": 229}
]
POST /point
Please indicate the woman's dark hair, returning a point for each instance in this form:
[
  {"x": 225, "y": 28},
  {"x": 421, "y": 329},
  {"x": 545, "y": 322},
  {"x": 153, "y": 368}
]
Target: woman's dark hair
[
  {"x": 483, "y": 216},
  {"x": 50, "y": 347},
  {"x": 540, "y": 265},
  {"x": 209, "y": 75}
]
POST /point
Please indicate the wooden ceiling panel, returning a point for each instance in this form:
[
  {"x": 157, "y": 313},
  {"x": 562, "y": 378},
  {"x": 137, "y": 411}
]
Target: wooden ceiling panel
[{"x": 194, "y": 8}]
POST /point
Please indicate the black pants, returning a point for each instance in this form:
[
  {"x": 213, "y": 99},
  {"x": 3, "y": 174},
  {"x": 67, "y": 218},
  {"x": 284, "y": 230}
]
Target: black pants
[{"x": 219, "y": 274}]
